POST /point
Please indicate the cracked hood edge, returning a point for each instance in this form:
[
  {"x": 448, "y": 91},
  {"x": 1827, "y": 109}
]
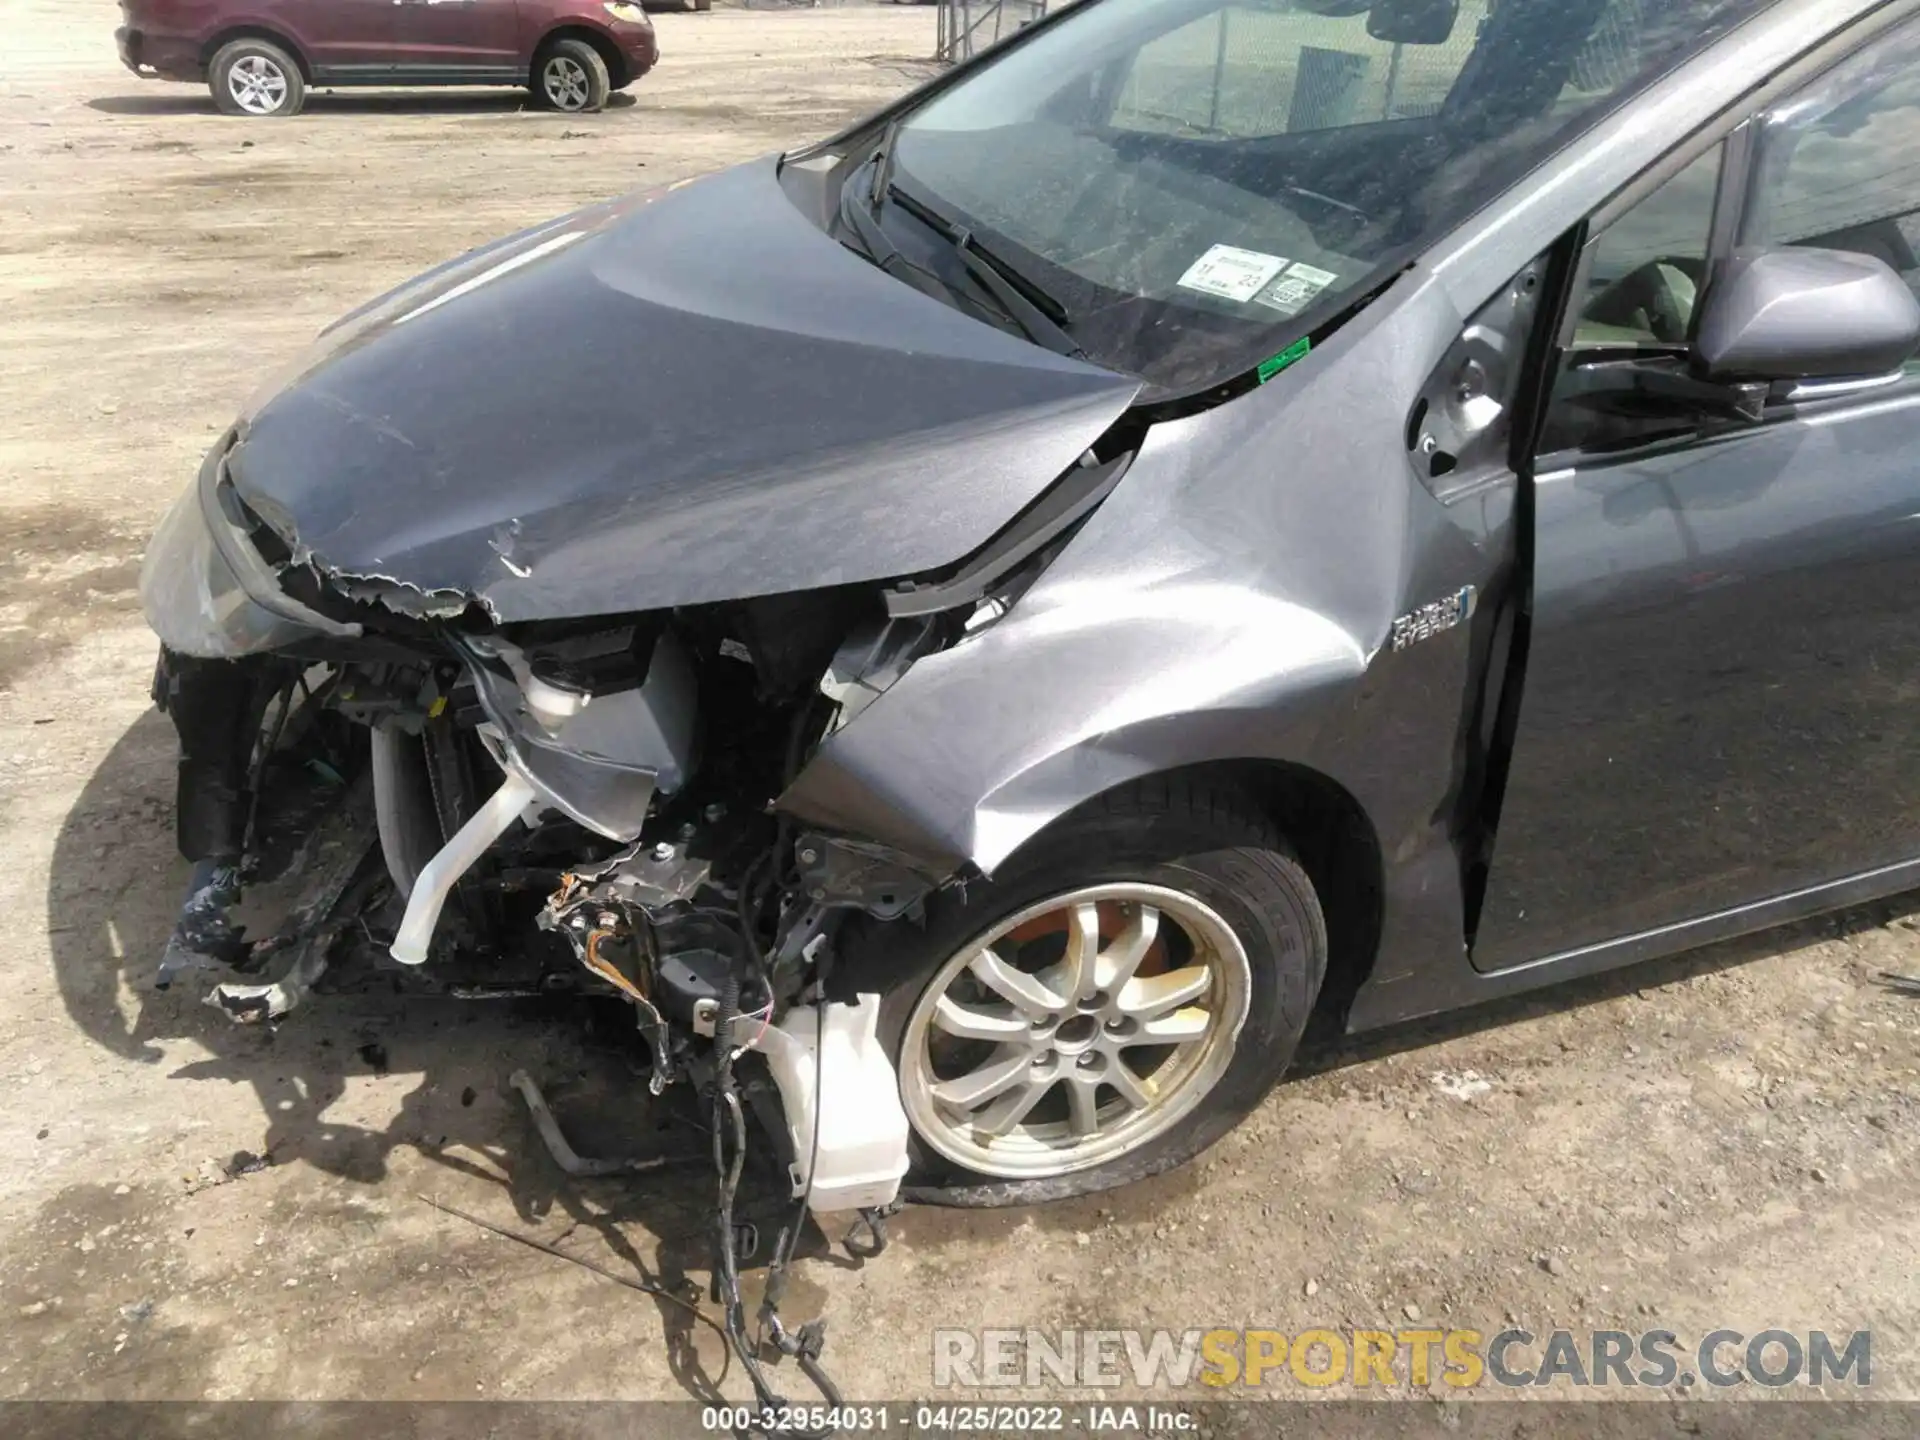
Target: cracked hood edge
[{"x": 681, "y": 397}]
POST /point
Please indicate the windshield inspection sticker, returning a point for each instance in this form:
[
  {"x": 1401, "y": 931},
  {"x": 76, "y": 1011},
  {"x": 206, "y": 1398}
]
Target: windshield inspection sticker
[
  {"x": 1232, "y": 273},
  {"x": 1295, "y": 290}
]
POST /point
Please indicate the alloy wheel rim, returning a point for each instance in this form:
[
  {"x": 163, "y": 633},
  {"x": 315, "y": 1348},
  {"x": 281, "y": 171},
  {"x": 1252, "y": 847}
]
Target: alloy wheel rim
[
  {"x": 258, "y": 86},
  {"x": 566, "y": 83},
  {"x": 1074, "y": 1032}
]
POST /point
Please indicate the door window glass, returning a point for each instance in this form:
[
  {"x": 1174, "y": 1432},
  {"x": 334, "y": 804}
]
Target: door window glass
[
  {"x": 1647, "y": 268},
  {"x": 1836, "y": 165},
  {"x": 1840, "y": 162},
  {"x": 1644, "y": 276}
]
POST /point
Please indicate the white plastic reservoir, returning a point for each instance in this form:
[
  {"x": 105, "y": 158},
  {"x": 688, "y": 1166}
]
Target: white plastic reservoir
[{"x": 863, "y": 1130}]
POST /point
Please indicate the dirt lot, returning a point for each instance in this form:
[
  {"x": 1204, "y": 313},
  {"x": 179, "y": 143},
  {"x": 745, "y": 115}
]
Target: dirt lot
[{"x": 1727, "y": 1141}]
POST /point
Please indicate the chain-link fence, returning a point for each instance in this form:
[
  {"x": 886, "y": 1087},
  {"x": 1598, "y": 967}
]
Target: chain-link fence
[{"x": 970, "y": 26}]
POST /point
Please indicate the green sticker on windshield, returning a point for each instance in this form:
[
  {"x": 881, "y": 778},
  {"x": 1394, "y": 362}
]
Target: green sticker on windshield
[{"x": 1297, "y": 350}]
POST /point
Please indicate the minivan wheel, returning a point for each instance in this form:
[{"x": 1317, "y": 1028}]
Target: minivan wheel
[
  {"x": 1108, "y": 1006},
  {"x": 571, "y": 77},
  {"x": 257, "y": 78}
]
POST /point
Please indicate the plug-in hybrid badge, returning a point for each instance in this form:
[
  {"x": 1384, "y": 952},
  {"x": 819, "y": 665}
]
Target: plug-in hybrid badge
[{"x": 1432, "y": 618}]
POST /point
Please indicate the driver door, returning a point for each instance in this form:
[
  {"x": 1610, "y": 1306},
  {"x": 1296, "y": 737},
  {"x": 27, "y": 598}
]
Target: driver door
[
  {"x": 1724, "y": 655},
  {"x": 349, "y": 41},
  {"x": 445, "y": 40}
]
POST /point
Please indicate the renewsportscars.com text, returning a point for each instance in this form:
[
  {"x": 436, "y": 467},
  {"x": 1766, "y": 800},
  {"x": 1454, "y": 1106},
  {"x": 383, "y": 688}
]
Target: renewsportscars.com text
[{"x": 1405, "y": 1357}]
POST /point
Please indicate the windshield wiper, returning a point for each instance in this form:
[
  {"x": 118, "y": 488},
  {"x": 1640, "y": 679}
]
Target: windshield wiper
[
  {"x": 883, "y": 253},
  {"x": 882, "y": 178},
  {"x": 864, "y": 220},
  {"x": 859, "y": 218},
  {"x": 1043, "y": 318}
]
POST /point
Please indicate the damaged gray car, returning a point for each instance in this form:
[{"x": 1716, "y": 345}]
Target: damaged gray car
[{"x": 1206, "y": 516}]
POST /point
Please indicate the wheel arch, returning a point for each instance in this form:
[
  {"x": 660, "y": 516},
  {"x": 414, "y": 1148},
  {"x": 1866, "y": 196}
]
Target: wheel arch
[
  {"x": 616, "y": 62},
  {"x": 1330, "y": 834},
  {"x": 251, "y": 31}
]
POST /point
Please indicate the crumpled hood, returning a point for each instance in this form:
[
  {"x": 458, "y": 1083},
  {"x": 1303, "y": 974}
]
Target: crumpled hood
[{"x": 688, "y": 396}]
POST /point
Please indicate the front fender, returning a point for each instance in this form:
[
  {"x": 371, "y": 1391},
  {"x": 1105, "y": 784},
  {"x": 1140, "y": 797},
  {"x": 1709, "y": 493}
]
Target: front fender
[
  {"x": 1232, "y": 600},
  {"x": 1223, "y": 603},
  {"x": 982, "y": 746}
]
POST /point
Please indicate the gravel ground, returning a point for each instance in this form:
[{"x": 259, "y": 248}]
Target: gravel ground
[{"x": 1727, "y": 1140}]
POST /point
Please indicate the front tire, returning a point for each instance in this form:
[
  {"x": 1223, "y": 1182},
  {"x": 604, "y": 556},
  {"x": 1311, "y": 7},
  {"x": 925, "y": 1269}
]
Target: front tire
[
  {"x": 571, "y": 76},
  {"x": 256, "y": 78},
  {"x": 1115, "y": 1000}
]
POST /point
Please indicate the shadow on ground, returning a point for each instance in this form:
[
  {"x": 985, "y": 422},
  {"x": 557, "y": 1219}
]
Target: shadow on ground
[
  {"x": 115, "y": 885},
  {"x": 117, "y": 881},
  {"x": 110, "y": 903},
  {"x": 499, "y": 100}
]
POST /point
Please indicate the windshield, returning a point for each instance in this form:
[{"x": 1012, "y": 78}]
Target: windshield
[{"x": 1188, "y": 186}]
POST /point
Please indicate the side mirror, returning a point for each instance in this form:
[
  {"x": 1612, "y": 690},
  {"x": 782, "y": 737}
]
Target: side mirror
[
  {"x": 1412, "y": 22},
  {"x": 1804, "y": 314}
]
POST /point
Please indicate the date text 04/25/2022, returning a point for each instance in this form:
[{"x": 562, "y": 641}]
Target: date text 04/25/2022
[{"x": 952, "y": 1419}]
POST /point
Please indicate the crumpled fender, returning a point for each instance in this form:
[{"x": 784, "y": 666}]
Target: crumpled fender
[
  {"x": 1128, "y": 682},
  {"x": 1231, "y": 600}
]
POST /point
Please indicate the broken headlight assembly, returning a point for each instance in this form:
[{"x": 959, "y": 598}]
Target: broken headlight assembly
[{"x": 208, "y": 592}]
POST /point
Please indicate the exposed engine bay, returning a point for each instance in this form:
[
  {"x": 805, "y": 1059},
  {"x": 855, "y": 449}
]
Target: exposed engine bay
[
  {"x": 513, "y": 673},
  {"x": 571, "y": 807},
  {"x": 483, "y": 809}
]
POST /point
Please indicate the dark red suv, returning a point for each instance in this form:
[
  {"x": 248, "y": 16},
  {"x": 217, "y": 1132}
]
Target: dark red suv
[{"x": 259, "y": 56}]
